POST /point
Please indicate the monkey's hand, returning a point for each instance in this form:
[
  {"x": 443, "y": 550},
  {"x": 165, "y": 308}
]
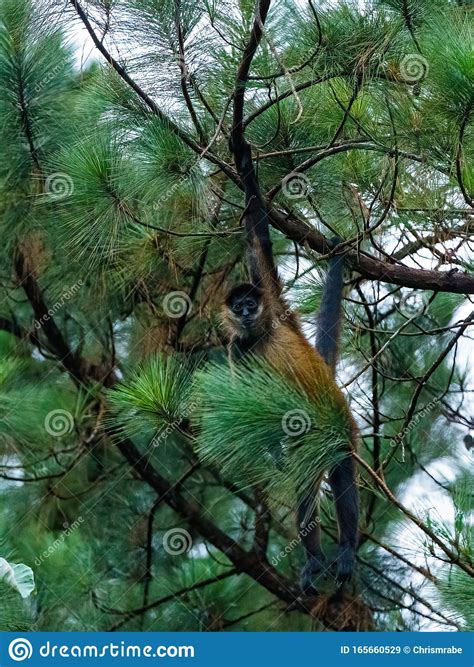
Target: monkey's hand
[
  {"x": 345, "y": 563},
  {"x": 314, "y": 567}
]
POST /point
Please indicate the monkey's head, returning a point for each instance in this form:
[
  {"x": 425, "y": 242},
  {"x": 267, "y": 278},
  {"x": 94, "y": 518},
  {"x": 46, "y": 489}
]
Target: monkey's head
[{"x": 243, "y": 311}]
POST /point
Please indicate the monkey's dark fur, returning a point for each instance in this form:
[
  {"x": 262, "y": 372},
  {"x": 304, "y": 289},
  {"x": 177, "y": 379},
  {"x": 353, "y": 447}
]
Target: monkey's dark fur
[{"x": 258, "y": 320}]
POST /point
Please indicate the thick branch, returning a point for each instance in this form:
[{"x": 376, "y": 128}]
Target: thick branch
[
  {"x": 368, "y": 267},
  {"x": 373, "y": 268},
  {"x": 244, "y": 561},
  {"x": 56, "y": 341}
]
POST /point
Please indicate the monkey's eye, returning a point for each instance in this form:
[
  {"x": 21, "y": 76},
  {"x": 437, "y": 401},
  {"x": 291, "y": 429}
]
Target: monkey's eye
[
  {"x": 251, "y": 305},
  {"x": 237, "y": 307}
]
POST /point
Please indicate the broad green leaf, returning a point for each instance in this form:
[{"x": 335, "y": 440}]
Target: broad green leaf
[{"x": 18, "y": 576}]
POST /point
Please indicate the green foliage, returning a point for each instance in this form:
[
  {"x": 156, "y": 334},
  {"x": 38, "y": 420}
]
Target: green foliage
[
  {"x": 451, "y": 64},
  {"x": 456, "y": 590},
  {"x": 17, "y": 576},
  {"x": 259, "y": 428},
  {"x": 16, "y": 585},
  {"x": 157, "y": 394},
  {"x": 150, "y": 206}
]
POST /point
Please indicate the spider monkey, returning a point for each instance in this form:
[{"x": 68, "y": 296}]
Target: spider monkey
[{"x": 259, "y": 321}]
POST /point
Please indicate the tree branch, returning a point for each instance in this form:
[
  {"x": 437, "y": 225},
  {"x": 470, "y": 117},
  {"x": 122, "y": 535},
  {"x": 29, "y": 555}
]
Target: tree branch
[
  {"x": 149, "y": 102},
  {"x": 372, "y": 268}
]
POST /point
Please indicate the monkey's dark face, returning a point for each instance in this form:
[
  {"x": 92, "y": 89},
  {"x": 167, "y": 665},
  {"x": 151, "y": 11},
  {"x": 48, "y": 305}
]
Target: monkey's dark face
[{"x": 244, "y": 309}]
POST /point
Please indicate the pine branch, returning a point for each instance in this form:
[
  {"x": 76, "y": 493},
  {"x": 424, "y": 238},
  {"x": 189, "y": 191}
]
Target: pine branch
[
  {"x": 133, "y": 613},
  {"x": 150, "y": 103},
  {"x": 453, "y": 557}
]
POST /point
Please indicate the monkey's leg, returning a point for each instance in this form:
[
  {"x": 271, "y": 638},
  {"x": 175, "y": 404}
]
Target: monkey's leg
[
  {"x": 308, "y": 528},
  {"x": 346, "y": 498}
]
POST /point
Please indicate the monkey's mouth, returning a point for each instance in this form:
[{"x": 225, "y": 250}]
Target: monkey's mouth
[{"x": 247, "y": 323}]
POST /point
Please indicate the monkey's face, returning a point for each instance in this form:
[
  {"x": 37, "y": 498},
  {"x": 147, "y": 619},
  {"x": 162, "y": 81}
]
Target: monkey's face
[{"x": 244, "y": 309}]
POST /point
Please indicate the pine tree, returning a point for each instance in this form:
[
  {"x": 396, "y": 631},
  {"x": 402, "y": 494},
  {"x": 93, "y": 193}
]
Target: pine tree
[{"x": 140, "y": 476}]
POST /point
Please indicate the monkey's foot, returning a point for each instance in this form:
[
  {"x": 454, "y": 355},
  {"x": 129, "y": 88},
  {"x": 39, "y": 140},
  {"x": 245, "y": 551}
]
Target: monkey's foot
[
  {"x": 313, "y": 568},
  {"x": 345, "y": 563}
]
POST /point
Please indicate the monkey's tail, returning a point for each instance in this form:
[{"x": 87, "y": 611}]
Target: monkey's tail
[{"x": 330, "y": 312}]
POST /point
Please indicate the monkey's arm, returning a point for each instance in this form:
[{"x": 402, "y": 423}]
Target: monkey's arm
[{"x": 261, "y": 263}]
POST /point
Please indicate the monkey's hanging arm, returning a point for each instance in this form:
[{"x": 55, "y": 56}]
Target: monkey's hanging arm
[{"x": 262, "y": 268}]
